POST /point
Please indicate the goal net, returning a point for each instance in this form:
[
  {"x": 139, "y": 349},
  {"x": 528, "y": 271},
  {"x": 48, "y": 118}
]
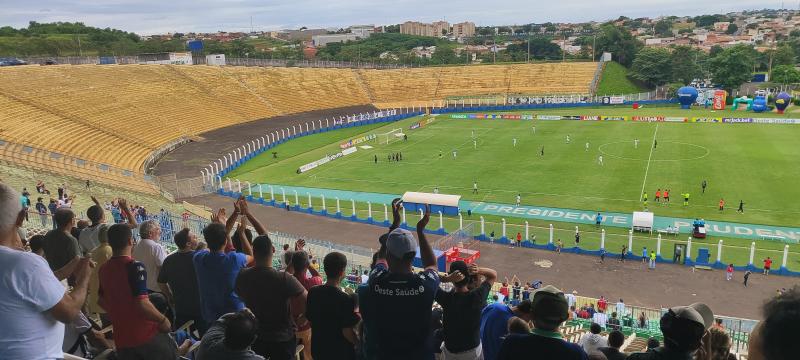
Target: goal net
[{"x": 390, "y": 137}]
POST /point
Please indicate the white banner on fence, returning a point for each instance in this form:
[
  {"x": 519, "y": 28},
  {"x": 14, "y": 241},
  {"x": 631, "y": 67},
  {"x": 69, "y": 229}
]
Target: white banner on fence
[{"x": 326, "y": 160}]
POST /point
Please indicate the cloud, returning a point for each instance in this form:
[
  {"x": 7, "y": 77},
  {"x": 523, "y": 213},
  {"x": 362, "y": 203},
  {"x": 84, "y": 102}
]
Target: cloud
[{"x": 158, "y": 16}]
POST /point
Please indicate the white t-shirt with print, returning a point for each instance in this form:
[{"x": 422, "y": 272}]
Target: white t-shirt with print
[{"x": 28, "y": 289}]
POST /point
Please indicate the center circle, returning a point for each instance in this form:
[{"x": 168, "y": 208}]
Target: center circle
[{"x": 626, "y": 150}]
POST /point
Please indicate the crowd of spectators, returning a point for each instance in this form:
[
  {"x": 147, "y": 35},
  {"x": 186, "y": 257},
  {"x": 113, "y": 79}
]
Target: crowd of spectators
[{"x": 228, "y": 296}]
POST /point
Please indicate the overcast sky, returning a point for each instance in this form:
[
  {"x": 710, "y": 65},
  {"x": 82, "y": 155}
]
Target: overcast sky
[{"x": 161, "y": 16}]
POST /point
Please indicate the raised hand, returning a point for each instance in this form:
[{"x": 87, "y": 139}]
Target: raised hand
[
  {"x": 453, "y": 278},
  {"x": 473, "y": 269},
  {"x": 243, "y": 206},
  {"x": 426, "y": 217},
  {"x": 298, "y": 246}
]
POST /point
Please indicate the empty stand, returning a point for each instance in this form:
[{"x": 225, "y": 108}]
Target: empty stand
[{"x": 117, "y": 116}]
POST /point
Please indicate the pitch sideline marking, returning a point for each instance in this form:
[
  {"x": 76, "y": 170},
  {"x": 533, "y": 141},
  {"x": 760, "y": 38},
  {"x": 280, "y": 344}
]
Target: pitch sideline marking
[{"x": 647, "y": 169}]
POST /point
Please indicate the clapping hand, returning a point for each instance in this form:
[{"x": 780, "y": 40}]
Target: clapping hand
[{"x": 425, "y": 218}]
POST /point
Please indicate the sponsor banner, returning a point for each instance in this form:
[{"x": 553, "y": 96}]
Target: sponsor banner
[
  {"x": 706, "y": 120},
  {"x": 565, "y": 99},
  {"x": 648, "y": 118},
  {"x": 675, "y": 119},
  {"x": 458, "y": 116},
  {"x": 326, "y": 159},
  {"x": 548, "y": 117},
  {"x": 614, "y": 118},
  {"x": 616, "y": 100},
  {"x": 414, "y": 126},
  {"x": 570, "y": 117},
  {"x": 590, "y": 118},
  {"x": 356, "y": 141},
  {"x": 737, "y": 120},
  {"x": 775, "y": 121}
]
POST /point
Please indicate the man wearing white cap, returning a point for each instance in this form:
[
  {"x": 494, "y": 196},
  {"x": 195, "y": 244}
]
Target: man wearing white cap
[
  {"x": 683, "y": 328},
  {"x": 398, "y": 300}
]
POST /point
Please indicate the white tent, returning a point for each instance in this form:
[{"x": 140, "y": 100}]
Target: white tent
[{"x": 642, "y": 221}]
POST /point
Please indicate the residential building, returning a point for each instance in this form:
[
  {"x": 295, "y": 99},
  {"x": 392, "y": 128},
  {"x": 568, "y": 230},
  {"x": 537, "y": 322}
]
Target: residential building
[
  {"x": 322, "y": 40},
  {"x": 417, "y": 28},
  {"x": 464, "y": 29},
  {"x": 440, "y": 28}
]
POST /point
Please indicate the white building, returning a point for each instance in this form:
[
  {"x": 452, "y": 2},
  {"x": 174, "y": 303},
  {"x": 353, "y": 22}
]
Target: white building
[{"x": 322, "y": 40}]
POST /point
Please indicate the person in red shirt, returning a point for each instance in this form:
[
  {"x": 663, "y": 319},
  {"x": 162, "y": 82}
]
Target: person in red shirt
[
  {"x": 504, "y": 290},
  {"x": 658, "y": 195},
  {"x": 140, "y": 330},
  {"x": 519, "y": 239},
  {"x": 729, "y": 272},
  {"x": 602, "y": 304},
  {"x": 721, "y": 204},
  {"x": 666, "y": 195},
  {"x": 767, "y": 265},
  {"x": 299, "y": 267}
]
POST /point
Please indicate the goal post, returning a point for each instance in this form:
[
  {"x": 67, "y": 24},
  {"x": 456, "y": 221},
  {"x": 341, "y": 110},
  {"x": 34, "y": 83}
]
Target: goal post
[{"x": 390, "y": 137}]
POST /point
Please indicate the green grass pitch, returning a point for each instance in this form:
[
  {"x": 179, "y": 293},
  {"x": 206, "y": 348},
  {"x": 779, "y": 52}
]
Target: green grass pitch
[{"x": 754, "y": 163}]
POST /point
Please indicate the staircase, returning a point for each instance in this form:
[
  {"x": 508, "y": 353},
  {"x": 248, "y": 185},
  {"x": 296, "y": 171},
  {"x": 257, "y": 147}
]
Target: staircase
[{"x": 364, "y": 86}]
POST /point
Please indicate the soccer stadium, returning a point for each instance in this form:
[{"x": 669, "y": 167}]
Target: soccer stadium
[{"x": 193, "y": 207}]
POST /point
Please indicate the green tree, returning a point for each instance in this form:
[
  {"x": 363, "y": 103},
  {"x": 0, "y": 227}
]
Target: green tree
[
  {"x": 732, "y": 29},
  {"x": 392, "y": 28},
  {"x": 619, "y": 42},
  {"x": 785, "y": 74},
  {"x": 652, "y": 66},
  {"x": 783, "y": 55},
  {"x": 663, "y": 28},
  {"x": 686, "y": 64},
  {"x": 733, "y": 66},
  {"x": 444, "y": 55},
  {"x": 715, "y": 50}
]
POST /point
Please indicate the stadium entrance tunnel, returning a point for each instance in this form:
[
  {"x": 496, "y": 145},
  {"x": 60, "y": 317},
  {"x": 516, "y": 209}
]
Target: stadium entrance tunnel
[{"x": 666, "y": 150}]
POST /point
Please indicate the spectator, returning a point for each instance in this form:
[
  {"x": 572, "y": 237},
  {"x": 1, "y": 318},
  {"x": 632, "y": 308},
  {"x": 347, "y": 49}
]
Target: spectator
[
  {"x": 61, "y": 249},
  {"x": 230, "y": 337},
  {"x": 613, "y": 323},
  {"x": 140, "y": 330},
  {"x": 462, "y": 309},
  {"x": 494, "y": 325},
  {"x": 600, "y": 318},
  {"x": 87, "y": 238},
  {"x": 178, "y": 282},
  {"x": 150, "y": 252},
  {"x": 52, "y": 206},
  {"x": 517, "y": 326},
  {"x": 282, "y": 259},
  {"x": 300, "y": 269},
  {"x": 642, "y": 320},
  {"x": 549, "y": 310},
  {"x": 620, "y": 308},
  {"x": 99, "y": 256},
  {"x": 571, "y": 298},
  {"x": 41, "y": 209},
  {"x": 333, "y": 314},
  {"x": 615, "y": 341},
  {"x": 592, "y": 340},
  {"x": 602, "y": 304},
  {"x": 217, "y": 270},
  {"x": 35, "y": 243},
  {"x": 718, "y": 344},
  {"x": 683, "y": 328},
  {"x": 276, "y": 298},
  {"x": 775, "y": 338},
  {"x": 398, "y": 300},
  {"x": 35, "y": 305},
  {"x": 652, "y": 343},
  {"x": 365, "y": 277}
]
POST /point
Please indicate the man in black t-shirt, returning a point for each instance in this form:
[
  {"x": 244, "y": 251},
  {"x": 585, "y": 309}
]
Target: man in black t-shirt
[
  {"x": 276, "y": 298},
  {"x": 332, "y": 314},
  {"x": 462, "y": 309},
  {"x": 549, "y": 309},
  {"x": 178, "y": 282}
]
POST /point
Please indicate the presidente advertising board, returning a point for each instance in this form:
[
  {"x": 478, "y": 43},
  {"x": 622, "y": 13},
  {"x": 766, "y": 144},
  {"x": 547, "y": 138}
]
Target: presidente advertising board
[
  {"x": 326, "y": 159},
  {"x": 422, "y": 123},
  {"x": 356, "y": 141},
  {"x": 673, "y": 119}
]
